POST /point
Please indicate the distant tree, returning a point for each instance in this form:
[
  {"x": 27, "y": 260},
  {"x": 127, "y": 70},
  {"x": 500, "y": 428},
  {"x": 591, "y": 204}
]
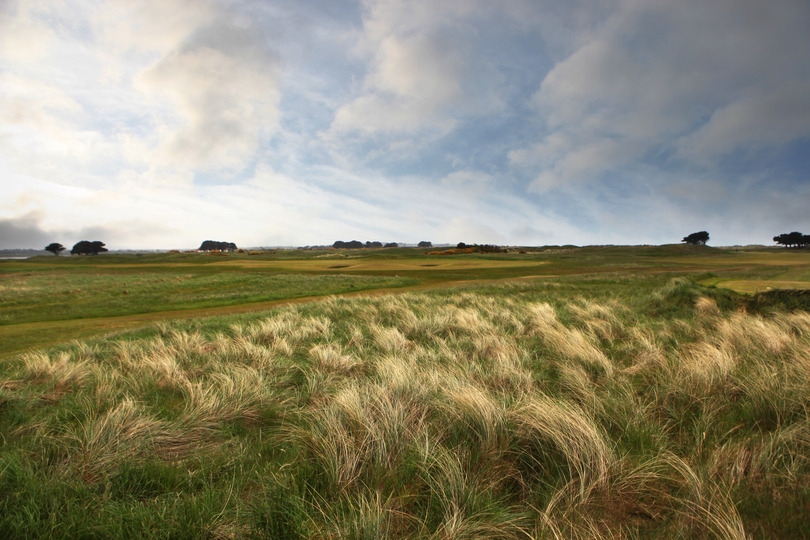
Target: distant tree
[
  {"x": 213, "y": 245},
  {"x": 461, "y": 245},
  {"x": 55, "y": 248},
  {"x": 391, "y": 245},
  {"x": 86, "y": 247},
  {"x": 373, "y": 244},
  {"x": 425, "y": 244},
  {"x": 697, "y": 239},
  {"x": 794, "y": 239},
  {"x": 354, "y": 244}
]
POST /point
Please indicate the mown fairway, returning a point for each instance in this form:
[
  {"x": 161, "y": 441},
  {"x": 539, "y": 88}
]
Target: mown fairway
[{"x": 566, "y": 393}]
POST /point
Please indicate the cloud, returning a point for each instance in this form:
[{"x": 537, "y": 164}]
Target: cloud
[
  {"x": 149, "y": 28},
  {"x": 30, "y": 232},
  {"x": 405, "y": 209},
  {"x": 222, "y": 83},
  {"x": 426, "y": 71},
  {"x": 161, "y": 122},
  {"x": 468, "y": 184},
  {"x": 714, "y": 76},
  {"x": 38, "y": 129},
  {"x": 23, "y": 233},
  {"x": 763, "y": 121},
  {"x": 169, "y": 84},
  {"x": 579, "y": 163}
]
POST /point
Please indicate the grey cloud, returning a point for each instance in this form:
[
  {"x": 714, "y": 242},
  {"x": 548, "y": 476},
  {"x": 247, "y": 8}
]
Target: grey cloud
[
  {"x": 654, "y": 71},
  {"x": 27, "y": 232},
  {"x": 223, "y": 82},
  {"x": 760, "y": 122},
  {"x": 23, "y": 233}
]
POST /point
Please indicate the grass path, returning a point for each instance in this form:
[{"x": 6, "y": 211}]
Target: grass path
[
  {"x": 48, "y": 333},
  {"x": 744, "y": 272}
]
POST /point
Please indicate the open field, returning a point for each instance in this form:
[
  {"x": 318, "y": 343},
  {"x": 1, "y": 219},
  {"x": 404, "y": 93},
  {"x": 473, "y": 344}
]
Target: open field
[
  {"x": 86, "y": 296},
  {"x": 612, "y": 406},
  {"x": 566, "y": 393}
]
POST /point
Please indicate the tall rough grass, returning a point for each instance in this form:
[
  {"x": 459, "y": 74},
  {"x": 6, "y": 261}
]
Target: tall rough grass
[{"x": 421, "y": 416}]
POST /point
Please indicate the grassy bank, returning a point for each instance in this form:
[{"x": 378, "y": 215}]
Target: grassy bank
[{"x": 613, "y": 405}]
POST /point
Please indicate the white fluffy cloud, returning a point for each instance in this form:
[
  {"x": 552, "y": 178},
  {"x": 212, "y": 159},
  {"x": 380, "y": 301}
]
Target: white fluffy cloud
[
  {"x": 426, "y": 70},
  {"x": 222, "y": 85},
  {"x": 175, "y": 83}
]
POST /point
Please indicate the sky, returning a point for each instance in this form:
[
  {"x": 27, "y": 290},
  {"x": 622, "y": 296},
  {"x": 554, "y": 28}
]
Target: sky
[{"x": 158, "y": 124}]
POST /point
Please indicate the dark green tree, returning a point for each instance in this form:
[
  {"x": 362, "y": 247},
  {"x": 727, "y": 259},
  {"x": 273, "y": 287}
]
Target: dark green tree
[
  {"x": 85, "y": 247},
  {"x": 213, "y": 245},
  {"x": 55, "y": 248},
  {"x": 794, "y": 239},
  {"x": 425, "y": 244},
  {"x": 352, "y": 244},
  {"x": 697, "y": 239}
]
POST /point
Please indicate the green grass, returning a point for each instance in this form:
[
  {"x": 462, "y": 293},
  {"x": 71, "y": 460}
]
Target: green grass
[
  {"x": 609, "y": 395},
  {"x": 46, "y": 300},
  {"x": 52, "y": 300},
  {"x": 609, "y": 405},
  {"x": 101, "y": 292}
]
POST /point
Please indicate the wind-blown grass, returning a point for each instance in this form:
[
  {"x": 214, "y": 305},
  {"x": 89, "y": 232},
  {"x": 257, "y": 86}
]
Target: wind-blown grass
[{"x": 522, "y": 412}]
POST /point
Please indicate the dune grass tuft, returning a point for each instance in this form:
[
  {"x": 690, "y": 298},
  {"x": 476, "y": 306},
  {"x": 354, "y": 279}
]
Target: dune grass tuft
[{"x": 520, "y": 411}]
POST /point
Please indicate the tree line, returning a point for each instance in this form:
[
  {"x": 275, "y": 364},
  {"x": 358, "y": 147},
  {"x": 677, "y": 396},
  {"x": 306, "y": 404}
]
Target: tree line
[
  {"x": 356, "y": 244},
  {"x": 794, "y": 239},
  {"x": 86, "y": 247},
  {"x": 214, "y": 245},
  {"x": 83, "y": 247}
]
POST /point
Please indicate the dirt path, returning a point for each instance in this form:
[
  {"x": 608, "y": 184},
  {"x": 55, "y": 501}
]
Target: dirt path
[{"x": 54, "y": 332}]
